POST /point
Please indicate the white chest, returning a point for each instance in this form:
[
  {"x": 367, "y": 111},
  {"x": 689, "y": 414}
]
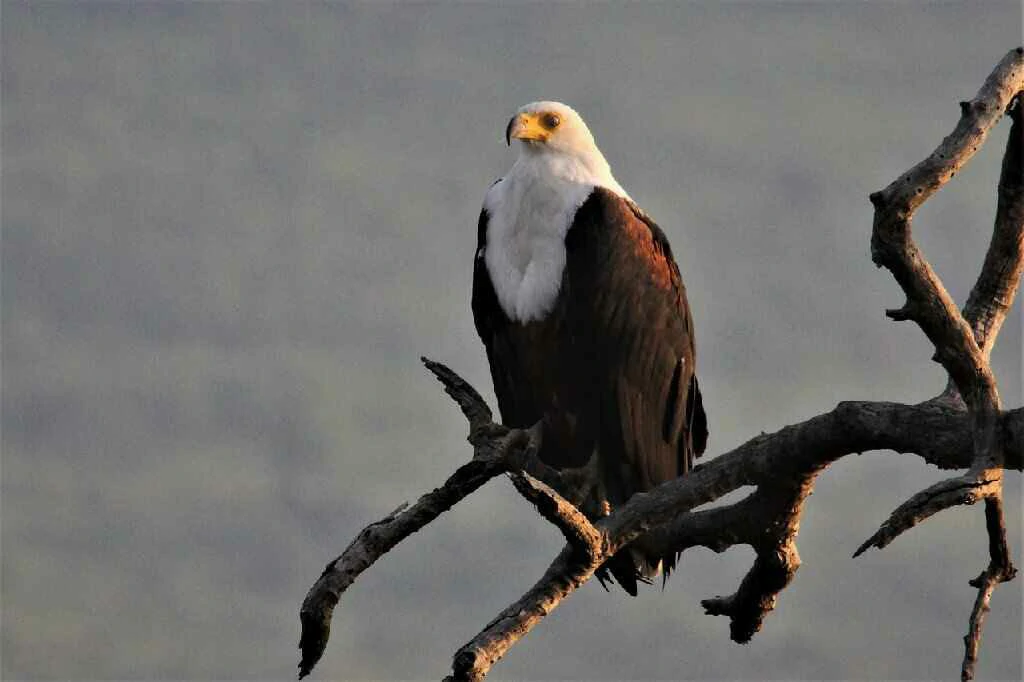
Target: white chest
[{"x": 528, "y": 218}]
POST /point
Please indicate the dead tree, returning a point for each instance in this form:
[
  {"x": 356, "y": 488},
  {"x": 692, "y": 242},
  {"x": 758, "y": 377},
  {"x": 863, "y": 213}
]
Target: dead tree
[{"x": 965, "y": 427}]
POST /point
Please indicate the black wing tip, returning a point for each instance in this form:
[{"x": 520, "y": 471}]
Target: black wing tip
[
  {"x": 699, "y": 418},
  {"x": 629, "y": 586}
]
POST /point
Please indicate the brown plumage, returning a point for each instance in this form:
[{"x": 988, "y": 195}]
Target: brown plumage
[{"x": 610, "y": 368}]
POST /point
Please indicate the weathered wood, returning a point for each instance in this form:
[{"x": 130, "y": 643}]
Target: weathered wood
[
  {"x": 936, "y": 431},
  {"x": 963, "y": 342}
]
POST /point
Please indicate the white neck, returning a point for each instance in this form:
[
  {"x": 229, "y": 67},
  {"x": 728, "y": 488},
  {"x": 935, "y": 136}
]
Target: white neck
[{"x": 529, "y": 212}]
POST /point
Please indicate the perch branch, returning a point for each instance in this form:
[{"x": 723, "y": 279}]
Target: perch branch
[
  {"x": 937, "y": 432},
  {"x": 567, "y": 517},
  {"x": 464, "y": 395},
  {"x": 794, "y": 453}
]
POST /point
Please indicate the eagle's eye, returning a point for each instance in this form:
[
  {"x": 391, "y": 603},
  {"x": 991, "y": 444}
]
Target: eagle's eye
[{"x": 551, "y": 121}]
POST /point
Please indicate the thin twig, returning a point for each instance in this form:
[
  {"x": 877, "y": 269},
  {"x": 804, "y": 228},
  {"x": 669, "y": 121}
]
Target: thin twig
[
  {"x": 962, "y": 490},
  {"x": 1000, "y": 570}
]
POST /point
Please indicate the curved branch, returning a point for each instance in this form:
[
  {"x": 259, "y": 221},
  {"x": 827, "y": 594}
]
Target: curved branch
[
  {"x": 993, "y": 293},
  {"x": 467, "y": 397},
  {"x": 373, "y": 542},
  {"x": 962, "y": 490},
  {"x": 474, "y": 660},
  {"x": 807, "y": 447},
  {"x": 870, "y": 426},
  {"x": 577, "y": 529},
  {"x": 772, "y": 532}
]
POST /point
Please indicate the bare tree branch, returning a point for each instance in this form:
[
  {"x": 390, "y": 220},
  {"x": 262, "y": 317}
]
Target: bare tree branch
[
  {"x": 937, "y": 432},
  {"x": 771, "y": 530},
  {"x": 973, "y": 434},
  {"x": 928, "y": 303},
  {"x": 966, "y": 489},
  {"x": 794, "y": 453},
  {"x": 469, "y": 401},
  {"x": 993, "y": 293},
  {"x": 986, "y": 308},
  {"x": 963, "y": 343}
]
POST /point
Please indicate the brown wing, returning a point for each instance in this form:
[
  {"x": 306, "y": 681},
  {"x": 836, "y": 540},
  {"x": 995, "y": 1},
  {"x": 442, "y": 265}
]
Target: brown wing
[{"x": 623, "y": 291}]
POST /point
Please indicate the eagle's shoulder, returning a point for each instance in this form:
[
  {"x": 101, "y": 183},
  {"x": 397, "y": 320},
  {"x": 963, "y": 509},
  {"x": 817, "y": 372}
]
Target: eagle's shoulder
[
  {"x": 617, "y": 225},
  {"x": 603, "y": 203},
  {"x": 606, "y": 207}
]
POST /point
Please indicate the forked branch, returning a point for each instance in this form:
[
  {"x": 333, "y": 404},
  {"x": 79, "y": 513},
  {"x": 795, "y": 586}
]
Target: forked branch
[
  {"x": 937, "y": 432},
  {"x": 964, "y": 342}
]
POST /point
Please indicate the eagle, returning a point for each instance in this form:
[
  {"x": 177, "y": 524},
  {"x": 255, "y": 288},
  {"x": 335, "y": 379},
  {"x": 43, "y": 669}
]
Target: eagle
[{"x": 583, "y": 313}]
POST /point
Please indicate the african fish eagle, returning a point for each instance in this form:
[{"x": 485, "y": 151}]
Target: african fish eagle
[{"x": 583, "y": 313}]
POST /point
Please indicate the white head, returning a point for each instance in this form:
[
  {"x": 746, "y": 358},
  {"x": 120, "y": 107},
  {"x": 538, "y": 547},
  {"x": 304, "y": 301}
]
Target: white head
[
  {"x": 551, "y": 127},
  {"x": 554, "y": 135}
]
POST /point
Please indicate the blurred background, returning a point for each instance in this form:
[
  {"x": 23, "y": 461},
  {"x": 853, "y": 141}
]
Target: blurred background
[{"x": 231, "y": 229}]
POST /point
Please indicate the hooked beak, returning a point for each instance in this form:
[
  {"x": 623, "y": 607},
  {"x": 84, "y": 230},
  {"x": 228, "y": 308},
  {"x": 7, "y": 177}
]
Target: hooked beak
[{"x": 525, "y": 127}]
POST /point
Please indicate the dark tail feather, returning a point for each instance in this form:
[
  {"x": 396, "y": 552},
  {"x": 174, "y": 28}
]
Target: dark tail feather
[
  {"x": 668, "y": 566},
  {"x": 628, "y": 567}
]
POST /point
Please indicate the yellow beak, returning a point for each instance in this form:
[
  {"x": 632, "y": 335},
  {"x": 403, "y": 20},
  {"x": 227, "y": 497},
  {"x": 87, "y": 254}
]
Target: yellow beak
[{"x": 525, "y": 127}]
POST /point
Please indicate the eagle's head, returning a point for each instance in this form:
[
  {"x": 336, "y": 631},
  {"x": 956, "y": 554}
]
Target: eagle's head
[{"x": 550, "y": 127}]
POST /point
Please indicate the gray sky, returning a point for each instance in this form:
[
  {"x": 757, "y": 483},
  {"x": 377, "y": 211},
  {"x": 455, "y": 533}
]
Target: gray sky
[{"x": 231, "y": 229}]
